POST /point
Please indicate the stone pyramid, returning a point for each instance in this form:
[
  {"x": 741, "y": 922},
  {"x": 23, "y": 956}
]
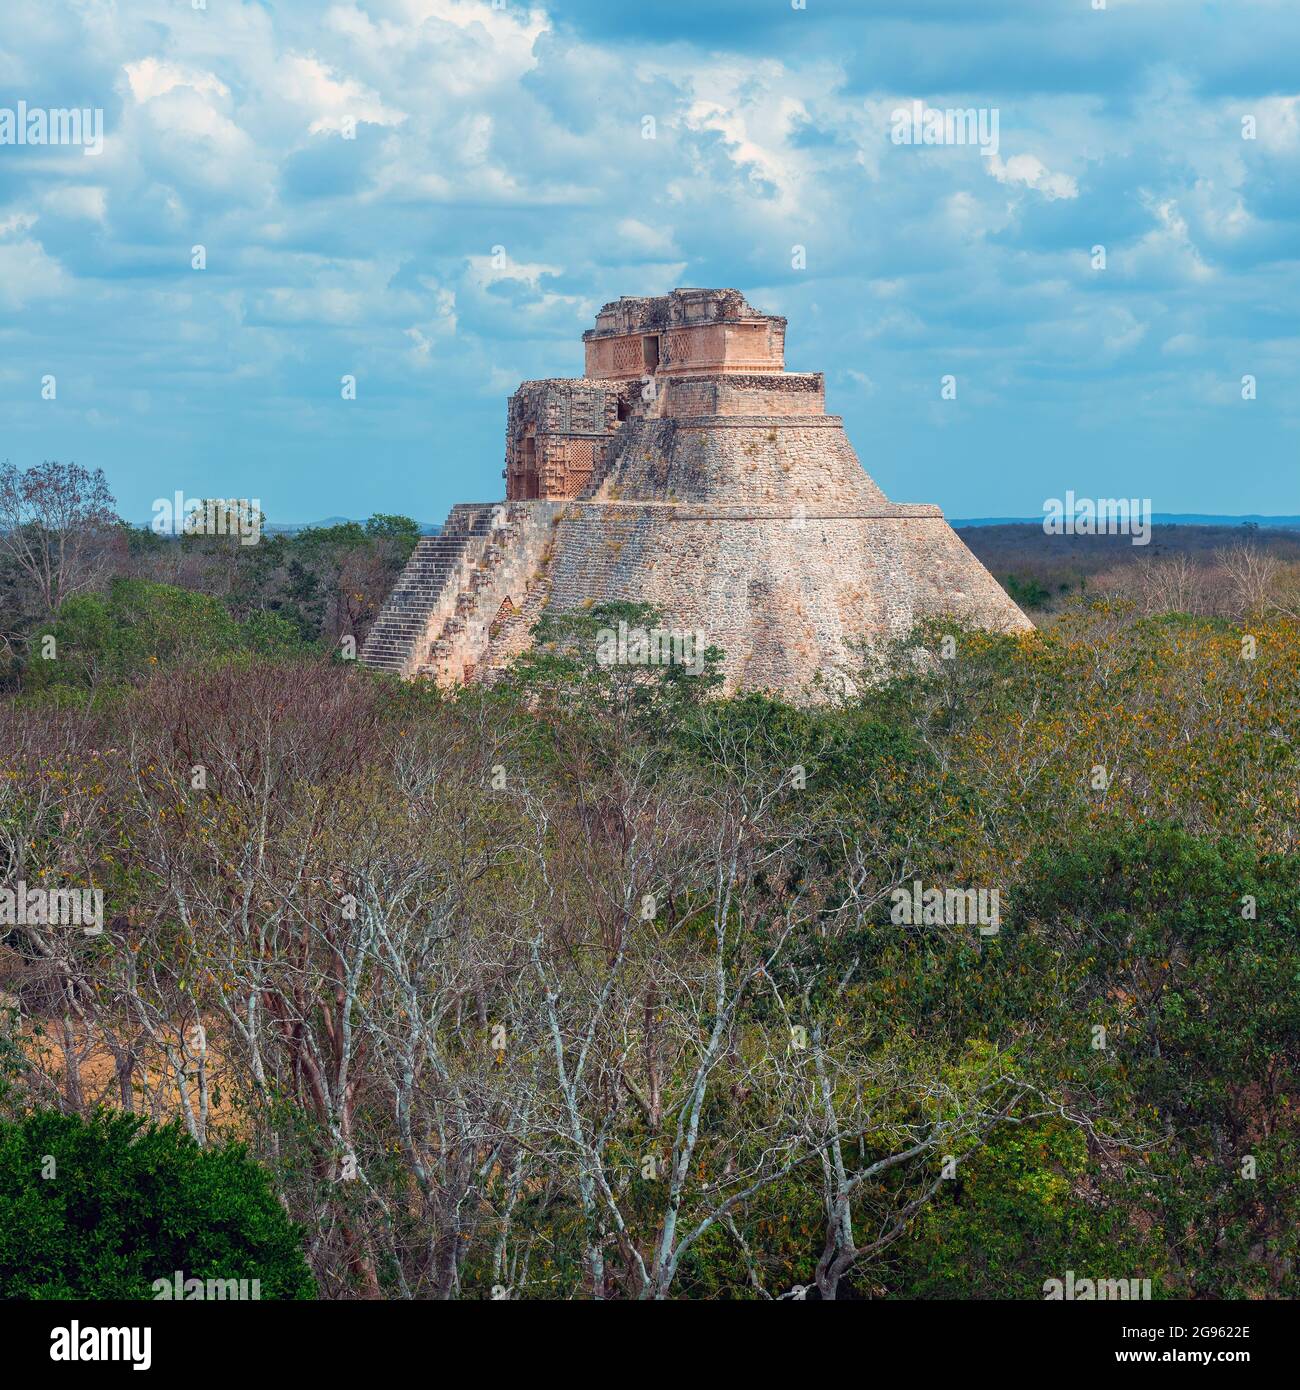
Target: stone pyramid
[{"x": 686, "y": 469}]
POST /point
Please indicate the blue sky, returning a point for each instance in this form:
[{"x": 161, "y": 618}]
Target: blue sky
[{"x": 522, "y": 127}]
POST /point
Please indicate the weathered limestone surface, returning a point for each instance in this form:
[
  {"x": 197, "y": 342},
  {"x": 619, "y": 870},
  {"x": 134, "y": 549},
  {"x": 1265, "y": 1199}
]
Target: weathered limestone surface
[
  {"x": 786, "y": 600},
  {"x": 743, "y": 460},
  {"x": 690, "y": 471},
  {"x": 458, "y": 588},
  {"x": 505, "y": 574},
  {"x": 686, "y": 331},
  {"x": 426, "y": 590}
]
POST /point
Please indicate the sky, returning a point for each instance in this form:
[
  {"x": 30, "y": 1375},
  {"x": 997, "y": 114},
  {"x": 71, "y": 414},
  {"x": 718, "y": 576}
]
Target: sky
[{"x": 434, "y": 198}]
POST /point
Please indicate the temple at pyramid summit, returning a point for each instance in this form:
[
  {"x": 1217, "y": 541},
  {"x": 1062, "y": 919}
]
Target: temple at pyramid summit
[{"x": 687, "y": 469}]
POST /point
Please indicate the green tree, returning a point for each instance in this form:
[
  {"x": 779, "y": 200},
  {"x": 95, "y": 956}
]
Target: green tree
[
  {"x": 139, "y": 625},
  {"x": 574, "y": 666},
  {"x": 400, "y": 529},
  {"x": 102, "y": 1207},
  {"x": 1021, "y": 1210},
  {"x": 1187, "y": 952}
]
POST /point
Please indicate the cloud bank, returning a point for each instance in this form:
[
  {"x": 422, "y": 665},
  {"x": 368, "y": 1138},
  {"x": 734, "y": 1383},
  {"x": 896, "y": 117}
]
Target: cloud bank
[{"x": 434, "y": 196}]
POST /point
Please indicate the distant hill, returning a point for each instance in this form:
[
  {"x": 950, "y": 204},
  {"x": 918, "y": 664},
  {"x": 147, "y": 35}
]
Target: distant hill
[
  {"x": 1279, "y": 523},
  {"x": 1038, "y": 569},
  {"x": 1276, "y": 523}
]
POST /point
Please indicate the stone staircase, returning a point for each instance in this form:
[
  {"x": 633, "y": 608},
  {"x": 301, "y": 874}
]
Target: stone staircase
[
  {"x": 438, "y": 567},
  {"x": 487, "y": 591},
  {"x": 614, "y": 446}
]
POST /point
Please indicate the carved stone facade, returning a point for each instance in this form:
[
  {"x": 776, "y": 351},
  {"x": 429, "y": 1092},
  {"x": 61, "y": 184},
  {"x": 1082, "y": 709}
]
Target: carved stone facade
[
  {"x": 686, "y": 331},
  {"x": 689, "y": 470},
  {"x": 665, "y": 355},
  {"x": 556, "y": 432}
]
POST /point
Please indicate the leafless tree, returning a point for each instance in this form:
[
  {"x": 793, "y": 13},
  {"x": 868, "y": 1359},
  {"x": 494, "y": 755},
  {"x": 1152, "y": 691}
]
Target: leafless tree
[
  {"x": 1252, "y": 576},
  {"x": 54, "y": 520},
  {"x": 1172, "y": 584}
]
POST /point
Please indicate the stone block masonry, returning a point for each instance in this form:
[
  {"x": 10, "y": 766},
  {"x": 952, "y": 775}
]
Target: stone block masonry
[
  {"x": 439, "y": 618},
  {"x": 688, "y": 470}
]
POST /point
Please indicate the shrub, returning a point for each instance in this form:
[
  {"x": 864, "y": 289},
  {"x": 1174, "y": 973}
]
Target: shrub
[{"x": 128, "y": 1203}]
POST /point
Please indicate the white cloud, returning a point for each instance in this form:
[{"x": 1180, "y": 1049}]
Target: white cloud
[
  {"x": 1222, "y": 213},
  {"x": 27, "y": 271},
  {"x": 441, "y": 324},
  {"x": 154, "y": 77},
  {"x": 332, "y": 100},
  {"x": 1125, "y": 332},
  {"x": 1277, "y": 123},
  {"x": 315, "y": 304},
  {"x": 81, "y": 202},
  {"x": 444, "y": 50},
  {"x": 17, "y": 222},
  {"x": 637, "y": 236},
  {"x": 1167, "y": 252},
  {"x": 1033, "y": 173},
  {"x": 1181, "y": 345},
  {"x": 485, "y": 271},
  {"x": 757, "y": 110}
]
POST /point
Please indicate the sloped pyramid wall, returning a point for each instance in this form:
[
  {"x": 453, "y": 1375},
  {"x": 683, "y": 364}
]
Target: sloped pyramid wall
[
  {"x": 766, "y": 534},
  {"x": 725, "y": 497}
]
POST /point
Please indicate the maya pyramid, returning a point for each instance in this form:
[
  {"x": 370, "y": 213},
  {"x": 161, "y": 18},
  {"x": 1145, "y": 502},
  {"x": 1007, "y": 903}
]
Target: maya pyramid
[{"x": 689, "y": 470}]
